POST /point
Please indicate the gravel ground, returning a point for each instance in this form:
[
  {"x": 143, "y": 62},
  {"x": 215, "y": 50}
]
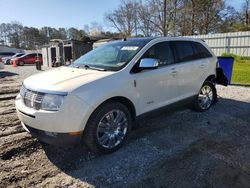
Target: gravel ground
[{"x": 173, "y": 149}]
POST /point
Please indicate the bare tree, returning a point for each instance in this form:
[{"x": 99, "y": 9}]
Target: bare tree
[
  {"x": 246, "y": 7},
  {"x": 124, "y": 19},
  {"x": 200, "y": 16},
  {"x": 4, "y": 32},
  {"x": 95, "y": 29},
  {"x": 164, "y": 13},
  {"x": 161, "y": 16},
  {"x": 146, "y": 22}
]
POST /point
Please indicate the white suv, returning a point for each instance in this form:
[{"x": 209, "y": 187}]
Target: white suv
[{"x": 102, "y": 93}]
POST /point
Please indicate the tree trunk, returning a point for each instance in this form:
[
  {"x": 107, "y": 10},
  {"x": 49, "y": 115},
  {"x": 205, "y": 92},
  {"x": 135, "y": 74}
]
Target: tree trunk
[
  {"x": 164, "y": 18},
  {"x": 193, "y": 17}
]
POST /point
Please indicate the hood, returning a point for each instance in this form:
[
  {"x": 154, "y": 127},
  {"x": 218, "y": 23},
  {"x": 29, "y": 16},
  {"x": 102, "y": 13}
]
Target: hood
[
  {"x": 63, "y": 79},
  {"x": 6, "y": 57}
]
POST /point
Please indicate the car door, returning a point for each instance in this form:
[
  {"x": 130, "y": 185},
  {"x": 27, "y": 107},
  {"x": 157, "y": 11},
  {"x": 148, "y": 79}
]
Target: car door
[
  {"x": 29, "y": 59},
  {"x": 26, "y": 59},
  {"x": 155, "y": 88},
  {"x": 189, "y": 69},
  {"x": 33, "y": 58}
]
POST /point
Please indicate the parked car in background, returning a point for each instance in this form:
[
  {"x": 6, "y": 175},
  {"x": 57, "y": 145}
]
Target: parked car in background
[
  {"x": 5, "y": 54},
  {"x": 30, "y": 58},
  {"x": 6, "y": 60}
]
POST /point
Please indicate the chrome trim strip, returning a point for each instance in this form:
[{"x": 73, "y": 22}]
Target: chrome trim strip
[{"x": 46, "y": 91}]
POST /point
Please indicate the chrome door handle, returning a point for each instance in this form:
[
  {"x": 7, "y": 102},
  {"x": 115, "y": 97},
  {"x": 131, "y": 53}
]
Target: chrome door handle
[
  {"x": 173, "y": 73},
  {"x": 202, "y": 66}
]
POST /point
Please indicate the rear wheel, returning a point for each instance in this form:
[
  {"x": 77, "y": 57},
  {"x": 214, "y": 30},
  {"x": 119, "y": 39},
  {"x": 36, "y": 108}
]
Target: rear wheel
[
  {"x": 108, "y": 128},
  {"x": 206, "y": 97}
]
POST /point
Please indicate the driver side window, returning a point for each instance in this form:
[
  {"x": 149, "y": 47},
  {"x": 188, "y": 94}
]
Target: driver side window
[{"x": 162, "y": 52}]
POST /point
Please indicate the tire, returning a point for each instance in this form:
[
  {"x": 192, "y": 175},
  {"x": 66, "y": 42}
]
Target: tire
[
  {"x": 102, "y": 133},
  {"x": 206, "y": 97},
  {"x": 21, "y": 63}
]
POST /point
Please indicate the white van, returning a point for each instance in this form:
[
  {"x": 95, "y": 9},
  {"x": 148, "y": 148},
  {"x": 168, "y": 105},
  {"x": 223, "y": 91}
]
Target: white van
[{"x": 102, "y": 93}]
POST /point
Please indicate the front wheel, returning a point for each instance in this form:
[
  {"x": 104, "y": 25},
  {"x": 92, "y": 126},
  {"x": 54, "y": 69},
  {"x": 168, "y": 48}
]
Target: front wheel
[
  {"x": 108, "y": 128},
  {"x": 21, "y": 63},
  {"x": 206, "y": 97}
]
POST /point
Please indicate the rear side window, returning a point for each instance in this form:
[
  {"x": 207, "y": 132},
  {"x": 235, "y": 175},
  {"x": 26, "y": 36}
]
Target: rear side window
[
  {"x": 32, "y": 55},
  {"x": 201, "y": 50},
  {"x": 162, "y": 52},
  {"x": 183, "y": 51}
]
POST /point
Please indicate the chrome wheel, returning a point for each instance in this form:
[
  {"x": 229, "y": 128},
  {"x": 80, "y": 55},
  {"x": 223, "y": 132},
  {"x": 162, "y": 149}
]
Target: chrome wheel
[
  {"x": 112, "y": 128},
  {"x": 205, "y": 97}
]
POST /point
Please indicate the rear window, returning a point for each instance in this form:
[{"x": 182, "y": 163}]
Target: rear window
[
  {"x": 202, "y": 52},
  {"x": 33, "y": 55},
  {"x": 189, "y": 50},
  {"x": 183, "y": 51}
]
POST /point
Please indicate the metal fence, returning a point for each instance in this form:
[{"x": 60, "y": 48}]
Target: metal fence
[{"x": 234, "y": 42}]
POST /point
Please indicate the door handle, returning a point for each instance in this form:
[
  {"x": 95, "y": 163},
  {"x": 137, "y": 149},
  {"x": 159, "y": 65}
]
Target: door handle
[
  {"x": 202, "y": 66},
  {"x": 173, "y": 73}
]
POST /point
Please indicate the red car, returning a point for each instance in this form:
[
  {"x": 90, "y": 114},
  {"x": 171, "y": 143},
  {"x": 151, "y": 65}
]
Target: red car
[{"x": 30, "y": 58}]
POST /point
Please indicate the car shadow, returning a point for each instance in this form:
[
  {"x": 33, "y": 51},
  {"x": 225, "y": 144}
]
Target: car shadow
[
  {"x": 78, "y": 162},
  {"x": 4, "y": 74}
]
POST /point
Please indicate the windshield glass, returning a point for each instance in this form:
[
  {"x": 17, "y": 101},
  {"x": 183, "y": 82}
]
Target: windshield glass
[{"x": 112, "y": 56}]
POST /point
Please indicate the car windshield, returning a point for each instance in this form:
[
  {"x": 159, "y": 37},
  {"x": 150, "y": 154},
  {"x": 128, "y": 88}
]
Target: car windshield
[{"x": 112, "y": 56}]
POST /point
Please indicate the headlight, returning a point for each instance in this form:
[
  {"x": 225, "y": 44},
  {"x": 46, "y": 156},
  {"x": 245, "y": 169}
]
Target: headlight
[{"x": 52, "y": 102}]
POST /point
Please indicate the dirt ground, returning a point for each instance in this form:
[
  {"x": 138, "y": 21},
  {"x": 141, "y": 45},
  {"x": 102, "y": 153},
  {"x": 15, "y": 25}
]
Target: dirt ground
[{"x": 173, "y": 149}]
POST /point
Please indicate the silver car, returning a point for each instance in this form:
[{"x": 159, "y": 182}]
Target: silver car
[{"x": 6, "y": 60}]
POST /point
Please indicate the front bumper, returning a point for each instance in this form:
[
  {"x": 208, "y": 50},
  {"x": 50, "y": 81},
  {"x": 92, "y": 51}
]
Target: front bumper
[
  {"x": 71, "y": 117},
  {"x": 53, "y": 138}
]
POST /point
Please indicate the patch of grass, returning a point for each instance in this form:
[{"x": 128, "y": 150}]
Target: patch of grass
[
  {"x": 241, "y": 72},
  {"x": 241, "y": 69}
]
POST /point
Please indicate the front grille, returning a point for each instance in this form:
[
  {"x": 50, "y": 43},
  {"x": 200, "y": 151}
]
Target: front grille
[{"x": 31, "y": 99}]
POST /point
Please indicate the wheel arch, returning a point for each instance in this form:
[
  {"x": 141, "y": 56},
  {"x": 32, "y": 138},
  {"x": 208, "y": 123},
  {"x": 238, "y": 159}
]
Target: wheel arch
[
  {"x": 125, "y": 101},
  {"x": 211, "y": 78}
]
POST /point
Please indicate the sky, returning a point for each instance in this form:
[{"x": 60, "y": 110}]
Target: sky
[
  {"x": 55, "y": 13},
  {"x": 63, "y": 13}
]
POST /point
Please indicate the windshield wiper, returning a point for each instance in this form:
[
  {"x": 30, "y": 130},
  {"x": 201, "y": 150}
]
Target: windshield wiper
[
  {"x": 88, "y": 67},
  {"x": 93, "y": 68}
]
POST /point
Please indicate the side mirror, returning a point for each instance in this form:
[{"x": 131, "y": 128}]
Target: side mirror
[{"x": 149, "y": 63}]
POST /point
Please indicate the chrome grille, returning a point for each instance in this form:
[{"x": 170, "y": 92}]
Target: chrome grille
[{"x": 31, "y": 99}]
